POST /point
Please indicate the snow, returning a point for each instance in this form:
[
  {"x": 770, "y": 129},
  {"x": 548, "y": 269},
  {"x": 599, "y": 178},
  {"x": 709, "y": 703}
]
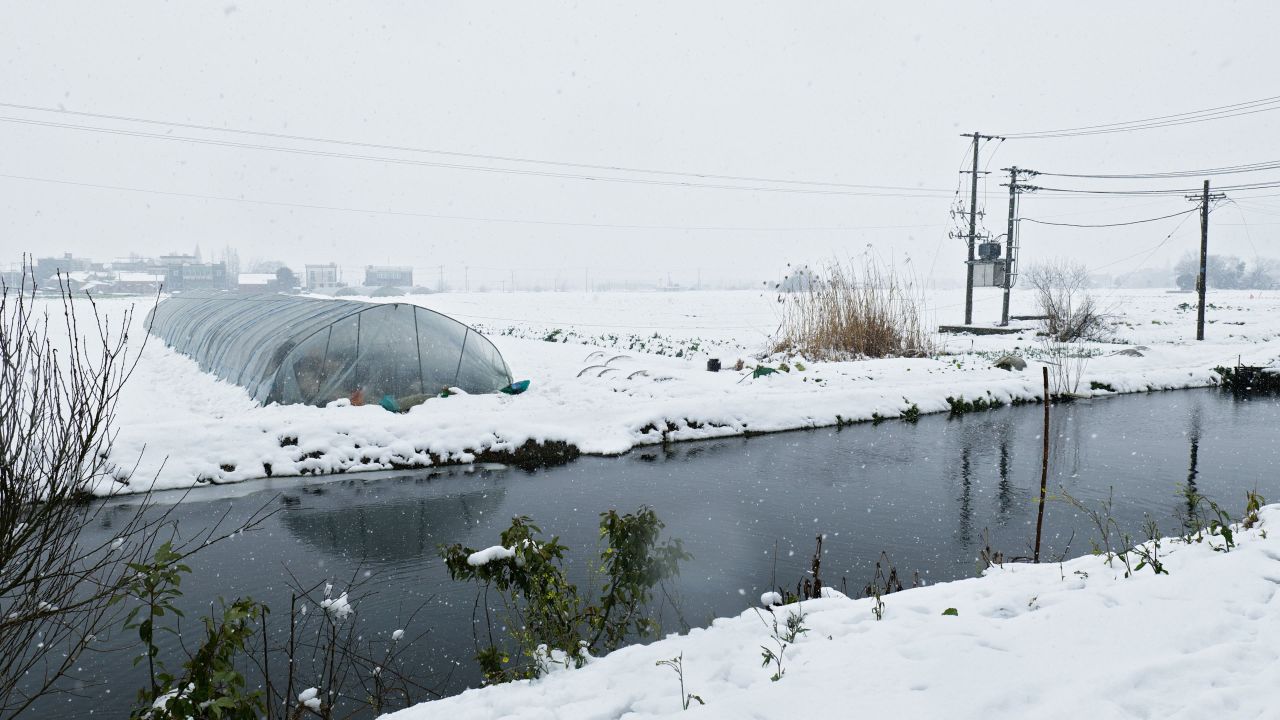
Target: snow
[
  {"x": 770, "y": 599},
  {"x": 340, "y": 608},
  {"x": 1077, "y": 639},
  {"x": 488, "y": 555},
  {"x": 310, "y": 699},
  {"x": 647, "y": 382}
]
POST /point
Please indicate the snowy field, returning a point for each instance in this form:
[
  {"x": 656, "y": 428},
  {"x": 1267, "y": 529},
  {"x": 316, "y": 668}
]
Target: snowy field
[
  {"x": 1073, "y": 640},
  {"x": 611, "y": 371}
]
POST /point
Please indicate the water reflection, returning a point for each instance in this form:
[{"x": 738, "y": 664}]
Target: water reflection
[{"x": 381, "y": 533}]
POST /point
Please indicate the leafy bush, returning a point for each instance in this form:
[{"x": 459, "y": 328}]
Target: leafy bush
[
  {"x": 210, "y": 685},
  {"x": 549, "y": 621}
]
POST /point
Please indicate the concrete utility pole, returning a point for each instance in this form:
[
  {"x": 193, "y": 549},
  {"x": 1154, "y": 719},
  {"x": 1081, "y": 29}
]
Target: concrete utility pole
[
  {"x": 1202, "y": 280},
  {"x": 973, "y": 223},
  {"x": 1008, "y": 244},
  {"x": 1010, "y": 239}
]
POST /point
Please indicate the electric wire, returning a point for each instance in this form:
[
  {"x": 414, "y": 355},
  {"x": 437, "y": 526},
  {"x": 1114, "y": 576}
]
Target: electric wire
[
  {"x": 809, "y": 186},
  {"x": 1165, "y": 191},
  {"x": 472, "y": 218},
  {"x": 1149, "y": 253},
  {"x": 1230, "y": 170},
  {"x": 1107, "y": 225},
  {"x": 1195, "y": 116}
]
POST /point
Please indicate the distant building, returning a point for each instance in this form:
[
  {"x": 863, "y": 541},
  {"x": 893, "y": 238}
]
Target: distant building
[
  {"x": 257, "y": 282},
  {"x": 129, "y": 282},
  {"x": 132, "y": 264},
  {"x": 322, "y": 277},
  {"x": 179, "y": 259},
  {"x": 379, "y": 276},
  {"x": 186, "y": 272},
  {"x": 46, "y": 268},
  {"x": 86, "y": 281}
]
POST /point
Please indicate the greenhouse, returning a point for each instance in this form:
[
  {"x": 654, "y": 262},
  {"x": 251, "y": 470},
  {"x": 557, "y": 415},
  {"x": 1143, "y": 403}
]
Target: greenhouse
[{"x": 286, "y": 349}]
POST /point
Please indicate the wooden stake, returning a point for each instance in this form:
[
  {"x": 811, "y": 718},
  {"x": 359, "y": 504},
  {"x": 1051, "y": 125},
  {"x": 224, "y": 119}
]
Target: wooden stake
[{"x": 1044, "y": 466}]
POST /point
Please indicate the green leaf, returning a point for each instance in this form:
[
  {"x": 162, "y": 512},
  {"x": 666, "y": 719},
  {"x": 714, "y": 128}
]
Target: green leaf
[{"x": 951, "y": 611}]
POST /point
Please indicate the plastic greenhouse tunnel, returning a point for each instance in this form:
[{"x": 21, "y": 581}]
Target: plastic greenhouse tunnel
[{"x": 290, "y": 350}]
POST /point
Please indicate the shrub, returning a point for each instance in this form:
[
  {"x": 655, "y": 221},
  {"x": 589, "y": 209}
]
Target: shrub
[
  {"x": 1061, "y": 288},
  {"x": 549, "y": 622}
]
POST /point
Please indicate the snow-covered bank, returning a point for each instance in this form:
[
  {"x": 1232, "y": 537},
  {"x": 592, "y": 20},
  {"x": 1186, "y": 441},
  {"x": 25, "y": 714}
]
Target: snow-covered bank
[
  {"x": 647, "y": 382},
  {"x": 1045, "y": 641}
]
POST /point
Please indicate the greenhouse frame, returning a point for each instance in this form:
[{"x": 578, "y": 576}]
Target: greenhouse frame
[{"x": 289, "y": 350}]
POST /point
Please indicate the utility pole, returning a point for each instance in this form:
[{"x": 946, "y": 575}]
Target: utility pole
[
  {"x": 973, "y": 223},
  {"x": 1202, "y": 280},
  {"x": 1010, "y": 239}
]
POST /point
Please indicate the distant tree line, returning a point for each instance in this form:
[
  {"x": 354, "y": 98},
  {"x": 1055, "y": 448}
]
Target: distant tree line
[{"x": 1228, "y": 272}]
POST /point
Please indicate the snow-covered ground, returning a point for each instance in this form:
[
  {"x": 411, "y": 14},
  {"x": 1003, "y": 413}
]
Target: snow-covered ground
[
  {"x": 1026, "y": 641},
  {"x": 611, "y": 371}
]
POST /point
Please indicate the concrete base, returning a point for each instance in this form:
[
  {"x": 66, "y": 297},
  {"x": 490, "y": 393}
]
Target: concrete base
[{"x": 980, "y": 330}]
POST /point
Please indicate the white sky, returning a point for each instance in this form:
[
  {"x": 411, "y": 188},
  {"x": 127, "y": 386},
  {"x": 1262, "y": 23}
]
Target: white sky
[{"x": 866, "y": 93}]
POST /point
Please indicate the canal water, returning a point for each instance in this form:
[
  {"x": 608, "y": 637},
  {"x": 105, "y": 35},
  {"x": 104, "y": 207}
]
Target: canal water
[{"x": 747, "y": 509}]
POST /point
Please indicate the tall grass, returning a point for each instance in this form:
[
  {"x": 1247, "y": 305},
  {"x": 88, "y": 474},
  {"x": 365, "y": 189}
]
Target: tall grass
[{"x": 855, "y": 309}]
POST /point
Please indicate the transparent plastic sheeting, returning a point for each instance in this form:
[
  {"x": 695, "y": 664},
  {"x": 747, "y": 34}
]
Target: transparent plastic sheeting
[{"x": 286, "y": 349}]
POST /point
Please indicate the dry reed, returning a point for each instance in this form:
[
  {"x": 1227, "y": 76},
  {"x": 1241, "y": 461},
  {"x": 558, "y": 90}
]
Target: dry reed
[{"x": 853, "y": 310}]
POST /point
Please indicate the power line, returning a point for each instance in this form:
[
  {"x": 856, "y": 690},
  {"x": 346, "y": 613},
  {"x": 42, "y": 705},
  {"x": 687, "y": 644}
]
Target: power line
[
  {"x": 471, "y": 218},
  {"x": 1229, "y": 170},
  {"x": 1167, "y": 191},
  {"x": 1148, "y": 253},
  {"x": 449, "y": 165},
  {"x": 1195, "y": 116},
  {"x": 1107, "y": 225}
]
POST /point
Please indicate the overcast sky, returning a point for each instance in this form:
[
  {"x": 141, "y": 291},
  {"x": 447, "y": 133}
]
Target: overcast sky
[{"x": 853, "y": 93}]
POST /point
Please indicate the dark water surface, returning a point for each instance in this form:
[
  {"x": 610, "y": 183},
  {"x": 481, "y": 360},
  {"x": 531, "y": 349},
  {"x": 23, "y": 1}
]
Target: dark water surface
[{"x": 924, "y": 492}]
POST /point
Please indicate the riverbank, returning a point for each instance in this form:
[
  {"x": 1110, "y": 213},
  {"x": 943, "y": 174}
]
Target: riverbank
[
  {"x": 614, "y": 371},
  {"x": 1048, "y": 641}
]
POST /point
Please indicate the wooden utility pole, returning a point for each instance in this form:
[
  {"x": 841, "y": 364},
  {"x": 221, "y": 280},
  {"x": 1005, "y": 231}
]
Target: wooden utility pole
[
  {"x": 1202, "y": 279},
  {"x": 973, "y": 224}
]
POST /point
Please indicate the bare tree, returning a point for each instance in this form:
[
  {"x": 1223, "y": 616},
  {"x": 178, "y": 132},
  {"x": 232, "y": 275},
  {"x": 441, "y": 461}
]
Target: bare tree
[
  {"x": 1062, "y": 291},
  {"x": 60, "y": 383},
  {"x": 57, "y": 404}
]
